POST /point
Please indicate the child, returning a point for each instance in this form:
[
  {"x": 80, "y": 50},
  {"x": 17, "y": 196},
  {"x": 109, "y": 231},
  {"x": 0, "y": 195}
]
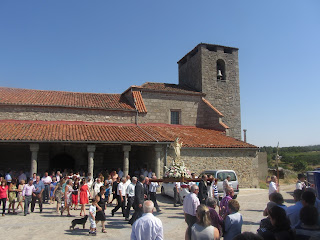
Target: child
[
  {"x": 92, "y": 216},
  {"x": 52, "y": 188},
  {"x": 20, "y": 197}
]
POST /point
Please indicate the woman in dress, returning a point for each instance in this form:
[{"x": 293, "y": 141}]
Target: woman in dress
[
  {"x": 203, "y": 229},
  {"x": 20, "y": 197},
  {"x": 75, "y": 193},
  {"x": 67, "y": 197},
  {"x": 102, "y": 204},
  {"x": 12, "y": 195},
  {"x": 84, "y": 196},
  {"x": 57, "y": 192},
  {"x": 3, "y": 195},
  {"x": 53, "y": 185}
]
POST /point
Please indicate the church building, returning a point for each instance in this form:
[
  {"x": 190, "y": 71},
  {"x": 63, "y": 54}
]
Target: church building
[{"x": 44, "y": 130}]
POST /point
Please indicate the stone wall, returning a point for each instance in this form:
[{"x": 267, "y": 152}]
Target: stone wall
[
  {"x": 194, "y": 112},
  {"x": 243, "y": 161},
  {"x": 65, "y": 114}
]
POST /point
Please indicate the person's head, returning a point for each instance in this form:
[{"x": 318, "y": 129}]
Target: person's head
[
  {"x": 297, "y": 195},
  {"x": 308, "y": 198},
  {"x": 146, "y": 180},
  {"x": 22, "y": 182},
  {"x": 230, "y": 192},
  {"x": 211, "y": 202},
  {"x": 14, "y": 181},
  {"x": 3, "y": 183},
  {"x": 234, "y": 206},
  {"x": 204, "y": 177},
  {"x": 203, "y": 215},
  {"x": 148, "y": 206},
  {"x": 34, "y": 175},
  {"x": 37, "y": 178},
  {"x": 58, "y": 173},
  {"x": 194, "y": 189},
  {"x": 269, "y": 206},
  {"x": 215, "y": 181},
  {"x": 301, "y": 177},
  {"x": 277, "y": 198},
  {"x": 62, "y": 181},
  {"x": 309, "y": 215},
  {"x": 228, "y": 177},
  {"x": 69, "y": 182},
  {"x": 54, "y": 179},
  {"x": 76, "y": 181},
  {"x": 248, "y": 236},
  {"x": 141, "y": 179},
  {"x": 30, "y": 181},
  {"x": 46, "y": 174},
  {"x": 123, "y": 179},
  {"x": 102, "y": 189},
  {"x": 128, "y": 177},
  {"x": 273, "y": 178},
  {"x": 278, "y": 218},
  {"x": 134, "y": 180},
  {"x": 193, "y": 175},
  {"x": 98, "y": 180},
  {"x": 118, "y": 179}
]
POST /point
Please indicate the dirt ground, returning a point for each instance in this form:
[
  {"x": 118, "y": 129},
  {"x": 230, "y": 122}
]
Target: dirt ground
[{"x": 49, "y": 224}]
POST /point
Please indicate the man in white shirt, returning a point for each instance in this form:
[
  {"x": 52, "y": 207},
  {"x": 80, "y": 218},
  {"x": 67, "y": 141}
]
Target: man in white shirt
[
  {"x": 190, "y": 204},
  {"x": 46, "y": 179},
  {"x": 96, "y": 187},
  {"x": 148, "y": 227},
  {"x": 300, "y": 183},
  {"x": 130, "y": 196},
  {"x": 120, "y": 197},
  {"x": 273, "y": 186},
  {"x": 153, "y": 193},
  {"x": 176, "y": 194}
]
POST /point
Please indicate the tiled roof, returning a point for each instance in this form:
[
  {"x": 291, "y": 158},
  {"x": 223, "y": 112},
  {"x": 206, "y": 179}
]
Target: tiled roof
[
  {"x": 65, "y": 131},
  {"x": 17, "y": 96},
  {"x": 138, "y": 101},
  {"x": 167, "y": 88}
]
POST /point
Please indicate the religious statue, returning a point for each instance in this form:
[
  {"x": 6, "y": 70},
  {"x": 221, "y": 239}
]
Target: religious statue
[{"x": 176, "y": 146}]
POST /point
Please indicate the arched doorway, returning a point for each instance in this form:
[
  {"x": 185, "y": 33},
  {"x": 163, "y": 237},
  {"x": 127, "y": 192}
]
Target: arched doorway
[{"x": 62, "y": 161}]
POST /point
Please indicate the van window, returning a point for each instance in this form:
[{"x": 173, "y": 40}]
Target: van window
[{"x": 223, "y": 175}]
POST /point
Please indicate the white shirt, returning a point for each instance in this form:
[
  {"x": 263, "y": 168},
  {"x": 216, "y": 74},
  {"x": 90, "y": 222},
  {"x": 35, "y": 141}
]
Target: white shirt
[
  {"x": 149, "y": 174},
  {"x": 300, "y": 185},
  {"x": 130, "y": 190},
  {"x": 272, "y": 187},
  {"x": 190, "y": 204},
  {"x": 96, "y": 188},
  {"x": 120, "y": 188},
  {"x": 153, "y": 187},
  {"x": 148, "y": 227},
  {"x": 46, "y": 180},
  {"x": 93, "y": 210}
]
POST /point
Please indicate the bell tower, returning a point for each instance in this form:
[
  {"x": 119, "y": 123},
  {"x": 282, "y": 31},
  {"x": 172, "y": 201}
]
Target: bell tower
[{"x": 214, "y": 70}]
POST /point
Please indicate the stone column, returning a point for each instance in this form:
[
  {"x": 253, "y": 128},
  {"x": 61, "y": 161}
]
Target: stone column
[
  {"x": 126, "y": 149},
  {"x": 158, "y": 150},
  {"x": 91, "y": 149},
  {"x": 34, "y": 148}
]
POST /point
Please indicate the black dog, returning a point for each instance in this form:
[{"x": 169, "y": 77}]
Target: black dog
[{"x": 79, "y": 221}]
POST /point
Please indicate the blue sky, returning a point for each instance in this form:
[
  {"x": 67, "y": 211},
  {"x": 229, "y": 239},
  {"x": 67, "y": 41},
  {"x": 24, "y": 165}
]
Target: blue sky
[{"x": 106, "y": 46}]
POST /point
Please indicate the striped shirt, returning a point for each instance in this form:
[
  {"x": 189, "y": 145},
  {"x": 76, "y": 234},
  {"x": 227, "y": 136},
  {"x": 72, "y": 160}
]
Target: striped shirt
[{"x": 215, "y": 190}]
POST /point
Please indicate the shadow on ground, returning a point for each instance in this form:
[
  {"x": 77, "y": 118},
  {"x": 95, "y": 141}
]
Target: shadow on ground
[{"x": 77, "y": 231}]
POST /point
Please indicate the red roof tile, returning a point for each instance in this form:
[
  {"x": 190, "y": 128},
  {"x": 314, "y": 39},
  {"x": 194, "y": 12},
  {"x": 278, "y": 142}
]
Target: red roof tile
[
  {"x": 73, "y": 131},
  {"x": 168, "y": 88},
  {"x": 17, "y": 96},
  {"x": 139, "y": 102}
]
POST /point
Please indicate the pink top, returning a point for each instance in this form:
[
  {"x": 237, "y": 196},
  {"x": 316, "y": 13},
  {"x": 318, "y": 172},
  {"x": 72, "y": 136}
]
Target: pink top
[{"x": 3, "y": 192}]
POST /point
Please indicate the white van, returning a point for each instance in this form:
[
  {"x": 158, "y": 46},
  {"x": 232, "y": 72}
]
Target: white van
[{"x": 222, "y": 175}]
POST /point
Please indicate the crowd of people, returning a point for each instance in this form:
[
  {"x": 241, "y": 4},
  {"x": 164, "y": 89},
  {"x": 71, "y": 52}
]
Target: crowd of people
[{"x": 205, "y": 215}]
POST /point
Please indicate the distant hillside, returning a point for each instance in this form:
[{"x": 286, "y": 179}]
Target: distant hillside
[{"x": 295, "y": 158}]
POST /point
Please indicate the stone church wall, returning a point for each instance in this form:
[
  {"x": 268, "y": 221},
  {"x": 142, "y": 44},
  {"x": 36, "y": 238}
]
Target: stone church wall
[
  {"x": 243, "y": 161},
  {"x": 65, "y": 114}
]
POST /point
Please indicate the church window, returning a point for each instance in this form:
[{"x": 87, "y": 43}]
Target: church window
[
  {"x": 175, "y": 117},
  {"x": 221, "y": 70}
]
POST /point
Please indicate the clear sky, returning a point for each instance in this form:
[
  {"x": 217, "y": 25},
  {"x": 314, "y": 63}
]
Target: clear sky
[{"x": 106, "y": 46}]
